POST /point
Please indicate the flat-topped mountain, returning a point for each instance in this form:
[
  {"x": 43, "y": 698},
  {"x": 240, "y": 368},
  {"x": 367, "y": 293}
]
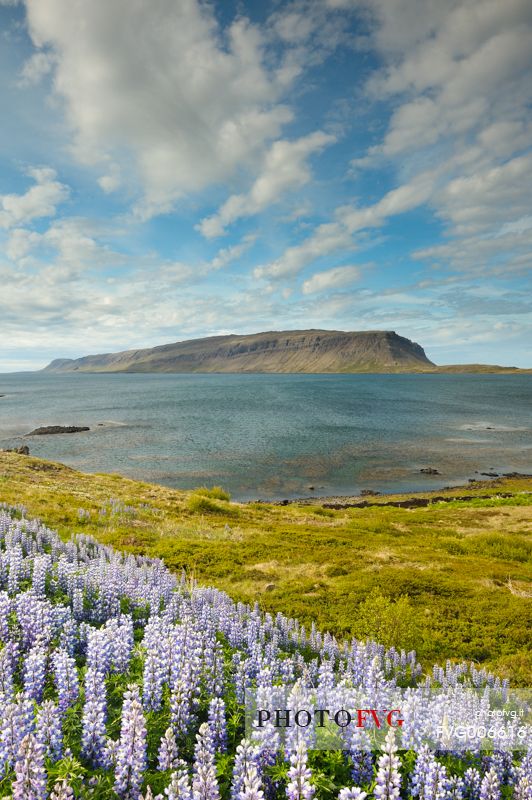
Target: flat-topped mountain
[{"x": 275, "y": 351}]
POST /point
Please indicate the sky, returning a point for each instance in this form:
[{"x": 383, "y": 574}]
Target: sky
[{"x": 171, "y": 169}]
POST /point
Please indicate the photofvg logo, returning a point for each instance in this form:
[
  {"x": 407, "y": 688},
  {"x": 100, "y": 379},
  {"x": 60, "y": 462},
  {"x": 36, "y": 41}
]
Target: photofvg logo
[
  {"x": 322, "y": 717},
  {"x": 459, "y": 718}
]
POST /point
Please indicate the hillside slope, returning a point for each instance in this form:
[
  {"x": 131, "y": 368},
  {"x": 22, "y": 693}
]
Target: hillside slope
[
  {"x": 464, "y": 564},
  {"x": 275, "y": 351}
]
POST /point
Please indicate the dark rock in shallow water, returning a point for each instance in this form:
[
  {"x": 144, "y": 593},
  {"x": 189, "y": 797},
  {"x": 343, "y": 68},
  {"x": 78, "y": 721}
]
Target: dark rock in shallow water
[
  {"x": 490, "y": 474},
  {"x": 49, "y": 429},
  {"x": 369, "y": 493},
  {"x": 429, "y": 471}
]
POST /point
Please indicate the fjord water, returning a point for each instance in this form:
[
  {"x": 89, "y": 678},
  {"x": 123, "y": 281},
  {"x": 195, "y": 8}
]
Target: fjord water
[{"x": 274, "y": 436}]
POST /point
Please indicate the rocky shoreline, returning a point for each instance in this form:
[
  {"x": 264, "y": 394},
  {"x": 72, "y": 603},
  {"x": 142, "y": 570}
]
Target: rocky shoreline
[{"x": 369, "y": 499}]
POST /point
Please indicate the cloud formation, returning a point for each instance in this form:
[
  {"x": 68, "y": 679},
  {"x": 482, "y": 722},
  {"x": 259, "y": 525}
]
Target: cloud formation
[
  {"x": 160, "y": 88},
  {"x": 40, "y": 200},
  {"x": 285, "y": 168},
  {"x": 306, "y": 132}
]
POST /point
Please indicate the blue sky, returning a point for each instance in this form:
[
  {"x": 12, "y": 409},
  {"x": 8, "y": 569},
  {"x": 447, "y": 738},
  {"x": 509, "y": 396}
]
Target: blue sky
[{"x": 170, "y": 170}]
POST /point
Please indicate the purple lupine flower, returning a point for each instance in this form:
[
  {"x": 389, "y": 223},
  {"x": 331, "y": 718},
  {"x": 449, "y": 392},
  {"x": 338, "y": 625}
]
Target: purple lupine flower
[
  {"x": 180, "y": 707},
  {"x": 30, "y": 780},
  {"x": 490, "y": 788},
  {"x": 388, "y": 779},
  {"x": 131, "y": 758},
  {"x": 62, "y": 791},
  {"x": 5, "y": 608},
  {"x": 217, "y": 724},
  {"x": 299, "y": 786},
  {"x": 6, "y": 675},
  {"x": 66, "y": 679},
  {"x": 179, "y": 787},
  {"x": 48, "y": 730},
  {"x": 523, "y": 788},
  {"x": 204, "y": 781},
  {"x": 352, "y": 793},
  {"x": 15, "y": 723},
  {"x": 523, "y": 778},
  {"x": 93, "y": 736},
  {"x": 35, "y": 673},
  {"x": 456, "y": 788},
  {"x": 168, "y": 755},
  {"x": 153, "y": 678},
  {"x": 247, "y": 754},
  {"x": 149, "y": 795},
  {"x": 472, "y": 781},
  {"x": 252, "y": 784},
  {"x": 429, "y": 779},
  {"x": 362, "y": 765}
]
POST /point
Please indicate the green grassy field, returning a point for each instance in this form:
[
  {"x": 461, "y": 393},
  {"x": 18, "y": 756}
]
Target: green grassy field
[{"x": 452, "y": 580}]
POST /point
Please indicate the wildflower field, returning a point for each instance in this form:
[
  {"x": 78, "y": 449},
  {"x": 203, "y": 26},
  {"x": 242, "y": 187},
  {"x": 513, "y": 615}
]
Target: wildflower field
[{"x": 119, "y": 678}]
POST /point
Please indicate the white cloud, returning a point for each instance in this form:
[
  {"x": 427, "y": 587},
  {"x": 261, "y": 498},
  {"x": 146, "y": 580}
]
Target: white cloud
[
  {"x": 159, "y": 86},
  {"x": 336, "y": 278},
  {"x": 285, "y": 168},
  {"x": 41, "y": 200},
  {"x": 337, "y": 236},
  {"x": 326, "y": 239},
  {"x": 36, "y": 67}
]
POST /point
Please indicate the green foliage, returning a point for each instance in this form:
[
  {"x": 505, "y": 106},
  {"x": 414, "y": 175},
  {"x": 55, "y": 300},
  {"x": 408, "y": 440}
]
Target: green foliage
[
  {"x": 215, "y": 492},
  {"x": 392, "y": 622},
  {"x": 198, "y": 503}
]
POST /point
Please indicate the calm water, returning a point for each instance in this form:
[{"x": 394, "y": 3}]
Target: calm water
[{"x": 273, "y": 436}]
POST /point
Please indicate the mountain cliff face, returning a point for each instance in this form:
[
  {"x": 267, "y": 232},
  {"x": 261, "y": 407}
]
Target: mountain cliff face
[{"x": 275, "y": 351}]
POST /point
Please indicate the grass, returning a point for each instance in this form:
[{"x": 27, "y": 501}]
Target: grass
[{"x": 453, "y": 580}]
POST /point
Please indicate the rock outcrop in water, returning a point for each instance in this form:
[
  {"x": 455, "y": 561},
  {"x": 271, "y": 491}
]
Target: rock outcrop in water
[
  {"x": 51, "y": 429},
  {"x": 278, "y": 351}
]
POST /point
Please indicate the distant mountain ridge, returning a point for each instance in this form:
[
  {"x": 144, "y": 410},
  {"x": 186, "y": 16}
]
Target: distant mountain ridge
[{"x": 306, "y": 351}]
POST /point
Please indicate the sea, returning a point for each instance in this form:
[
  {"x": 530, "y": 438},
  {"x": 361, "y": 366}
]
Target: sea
[{"x": 277, "y": 436}]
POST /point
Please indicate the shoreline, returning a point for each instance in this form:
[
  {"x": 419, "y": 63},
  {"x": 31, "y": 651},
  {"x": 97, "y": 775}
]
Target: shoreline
[{"x": 409, "y": 498}]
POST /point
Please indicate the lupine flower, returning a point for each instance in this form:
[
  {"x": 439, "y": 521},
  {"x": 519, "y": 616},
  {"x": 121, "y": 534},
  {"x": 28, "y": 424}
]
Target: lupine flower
[
  {"x": 472, "y": 781},
  {"x": 35, "y": 673},
  {"x": 66, "y": 679},
  {"x": 353, "y": 793},
  {"x": 93, "y": 736},
  {"x": 429, "y": 779},
  {"x": 490, "y": 788},
  {"x": 299, "y": 786},
  {"x": 246, "y": 760},
  {"x": 30, "y": 780},
  {"x": 204, "y": 781},
  {"x": 62, "y": 791},
  {"x": 131, "y": 755},
  {"x": 16, "y": 722},
  {"x": 217, "y": 723},
  {"x": 168, "y": 756},
  {"x": 252, "y": 786},
  {"x": 179, "y": 787},
  {"x": 523, "y": 782},
  {"x": 149, "y": 795},
  {"x": 388, "y": 780},
  {"x": 48, "y": 730}
]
